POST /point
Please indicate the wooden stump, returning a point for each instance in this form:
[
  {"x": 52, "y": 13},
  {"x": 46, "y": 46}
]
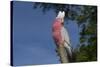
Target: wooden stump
[{"x": 63, "y": 54}]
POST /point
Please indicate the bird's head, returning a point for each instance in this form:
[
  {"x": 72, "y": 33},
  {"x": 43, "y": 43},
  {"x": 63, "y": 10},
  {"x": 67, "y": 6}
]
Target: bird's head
[{"x": 61, "y": 15}]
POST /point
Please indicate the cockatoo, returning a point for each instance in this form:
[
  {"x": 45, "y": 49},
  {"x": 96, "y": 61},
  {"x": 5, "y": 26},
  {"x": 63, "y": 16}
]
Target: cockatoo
[{"x": 60, "y": 34}]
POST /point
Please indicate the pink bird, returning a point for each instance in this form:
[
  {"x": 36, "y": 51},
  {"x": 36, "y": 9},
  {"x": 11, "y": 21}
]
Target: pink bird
[{"x": 60, "y": 34}]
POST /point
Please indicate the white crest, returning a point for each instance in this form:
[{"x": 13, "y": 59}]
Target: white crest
[{"x": 61, "y": 14}]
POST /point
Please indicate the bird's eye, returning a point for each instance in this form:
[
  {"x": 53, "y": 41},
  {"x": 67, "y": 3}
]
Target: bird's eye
[{"x": 62, "y": 23}]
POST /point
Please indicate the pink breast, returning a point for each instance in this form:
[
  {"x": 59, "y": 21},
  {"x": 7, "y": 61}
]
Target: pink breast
[{"x": 57, "y": 32}]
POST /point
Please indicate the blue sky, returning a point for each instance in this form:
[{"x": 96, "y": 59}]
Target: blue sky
[{"x": 33, "y": 43}]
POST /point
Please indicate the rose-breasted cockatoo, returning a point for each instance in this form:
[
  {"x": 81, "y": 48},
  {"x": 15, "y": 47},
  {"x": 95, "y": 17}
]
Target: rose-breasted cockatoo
[{"x": 60, "y": 34}]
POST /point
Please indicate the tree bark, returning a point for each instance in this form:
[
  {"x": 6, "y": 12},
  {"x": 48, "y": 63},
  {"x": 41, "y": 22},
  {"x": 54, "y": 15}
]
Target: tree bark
[{"x": 63, "y": 54}]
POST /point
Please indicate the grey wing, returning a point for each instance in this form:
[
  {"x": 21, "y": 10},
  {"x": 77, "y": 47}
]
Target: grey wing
[
  {"x": 65, "y": 36},
  {"x": 66, "y": 39}
]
